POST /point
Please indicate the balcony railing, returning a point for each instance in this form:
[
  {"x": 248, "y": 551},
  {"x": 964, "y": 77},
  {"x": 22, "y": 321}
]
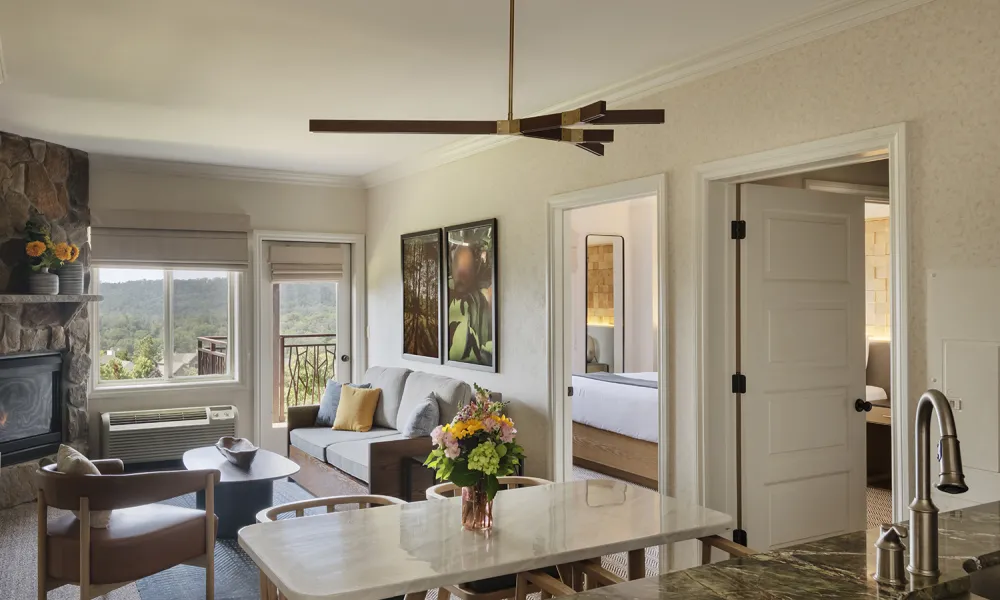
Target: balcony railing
[
  {"x": 212, "y": 353},
  {"x": 307, "y": 362}
]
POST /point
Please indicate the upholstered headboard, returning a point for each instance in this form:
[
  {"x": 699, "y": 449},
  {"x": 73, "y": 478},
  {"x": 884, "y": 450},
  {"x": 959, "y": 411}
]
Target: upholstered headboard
[{"x": 879, "y": 372}]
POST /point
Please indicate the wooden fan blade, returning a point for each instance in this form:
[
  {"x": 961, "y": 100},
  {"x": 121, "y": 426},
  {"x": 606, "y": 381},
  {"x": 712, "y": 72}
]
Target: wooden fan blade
[
  {"x": 585, "y": 114},
  {"x": 442, "y": 127},
  {"x": 594, "y": 148},
  {"x": 631, "y": 117},
  {"x": 574, "y": 136}
]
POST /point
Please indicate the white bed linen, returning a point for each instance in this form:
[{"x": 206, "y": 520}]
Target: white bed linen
[{"x": 624, "y": 409}]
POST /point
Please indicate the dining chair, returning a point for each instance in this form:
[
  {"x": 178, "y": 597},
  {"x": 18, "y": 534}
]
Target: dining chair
[
  {"x": 268, "y": 590},
  {"x": 449, "y": 490},
  {"x": 142, "y": 537},
  {"x": 594, "y": 575},
  {"x": 493, "y": 588}
]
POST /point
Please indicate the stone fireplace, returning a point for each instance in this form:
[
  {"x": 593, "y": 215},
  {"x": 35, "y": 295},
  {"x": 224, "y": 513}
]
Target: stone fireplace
[
  {"x": 51, "y": 183},
  {"x": 31, "y": 406}
]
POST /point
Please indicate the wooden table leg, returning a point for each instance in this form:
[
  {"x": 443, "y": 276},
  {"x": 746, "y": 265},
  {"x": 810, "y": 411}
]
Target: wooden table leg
[{"x": 636, "y": 564}]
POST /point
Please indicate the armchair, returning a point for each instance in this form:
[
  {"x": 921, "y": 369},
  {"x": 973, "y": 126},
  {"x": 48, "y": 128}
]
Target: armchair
[{"x": 142, "y": 537}]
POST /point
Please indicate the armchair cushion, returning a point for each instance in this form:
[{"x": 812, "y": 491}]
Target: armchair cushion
[
  {"x": 137, "y": 543},
  {"x": 70, "y": 462}
]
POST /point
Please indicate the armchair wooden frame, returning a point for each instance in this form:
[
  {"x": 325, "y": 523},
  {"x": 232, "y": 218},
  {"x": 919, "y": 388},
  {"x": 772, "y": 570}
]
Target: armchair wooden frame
[{"x": 110, "y": 491}]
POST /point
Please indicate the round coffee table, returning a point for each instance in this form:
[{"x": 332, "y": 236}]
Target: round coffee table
[{"x": 241, "y": 493}]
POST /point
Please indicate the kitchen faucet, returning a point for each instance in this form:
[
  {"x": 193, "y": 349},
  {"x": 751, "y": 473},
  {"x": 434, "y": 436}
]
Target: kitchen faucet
[{"x": 923, "y": 512}]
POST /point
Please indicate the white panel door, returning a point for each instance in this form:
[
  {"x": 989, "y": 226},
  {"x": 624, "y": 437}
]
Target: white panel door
[{"x": 803, "y": 353}]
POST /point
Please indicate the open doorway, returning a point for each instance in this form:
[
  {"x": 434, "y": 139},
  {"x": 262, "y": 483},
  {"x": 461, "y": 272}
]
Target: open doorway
[
  {"x": 782, "y": 347},
  {"x": 611, "y": 313},
  {"x": 868, "y": 183}
]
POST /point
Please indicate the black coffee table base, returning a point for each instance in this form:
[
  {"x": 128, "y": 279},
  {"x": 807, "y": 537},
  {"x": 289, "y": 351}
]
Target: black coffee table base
[{"x": 237, "y": 504}]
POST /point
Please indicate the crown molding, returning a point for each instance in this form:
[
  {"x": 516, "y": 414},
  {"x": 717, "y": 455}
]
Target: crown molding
[
  {"x": 146, "y": 166},
  {"x": 812, "y": 26}
]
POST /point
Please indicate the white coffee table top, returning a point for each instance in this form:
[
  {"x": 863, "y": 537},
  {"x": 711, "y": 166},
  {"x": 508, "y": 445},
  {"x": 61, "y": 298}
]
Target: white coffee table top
[{"x": 392, "y": 550}]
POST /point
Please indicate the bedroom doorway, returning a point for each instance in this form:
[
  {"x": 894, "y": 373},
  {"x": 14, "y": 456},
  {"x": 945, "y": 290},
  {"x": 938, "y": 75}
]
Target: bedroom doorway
[
  {"x": 784, "y": 403},
  {"x": 607, "y": 324}
]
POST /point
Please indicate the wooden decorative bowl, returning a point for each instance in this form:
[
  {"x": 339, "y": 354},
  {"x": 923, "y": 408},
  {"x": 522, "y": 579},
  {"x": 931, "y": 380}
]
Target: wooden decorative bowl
[{"x": 238, "y": 451}]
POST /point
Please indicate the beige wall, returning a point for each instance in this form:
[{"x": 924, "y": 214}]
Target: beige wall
[
  {"x": 877, "y": 288},
  {"x": 933, "y": 66},
  {"x": 271, "y": 206}
]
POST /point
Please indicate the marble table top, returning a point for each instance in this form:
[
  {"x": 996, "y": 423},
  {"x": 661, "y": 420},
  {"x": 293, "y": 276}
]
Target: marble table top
[
  {"x": 392, "y": 550},
  {"x": 838, "y": 567}
]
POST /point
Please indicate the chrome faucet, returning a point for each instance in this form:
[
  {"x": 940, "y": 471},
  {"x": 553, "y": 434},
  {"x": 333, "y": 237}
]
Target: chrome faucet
[{"x": 923, "y": 513}]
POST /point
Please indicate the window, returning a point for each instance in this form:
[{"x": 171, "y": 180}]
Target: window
[{"x": 160, "y": 326}]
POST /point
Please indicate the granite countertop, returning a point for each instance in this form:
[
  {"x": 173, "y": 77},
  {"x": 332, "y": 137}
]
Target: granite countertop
[{"x": 838, "y": 567}]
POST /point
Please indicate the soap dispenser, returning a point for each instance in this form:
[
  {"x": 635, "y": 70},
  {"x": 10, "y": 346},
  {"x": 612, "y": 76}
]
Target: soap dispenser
[{"x": 890, "y": 563}]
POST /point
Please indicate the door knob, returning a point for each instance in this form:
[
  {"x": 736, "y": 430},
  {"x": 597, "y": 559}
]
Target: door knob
[
  {"x": 346, "y": 358},
  {"x": 862, "y": 405}
]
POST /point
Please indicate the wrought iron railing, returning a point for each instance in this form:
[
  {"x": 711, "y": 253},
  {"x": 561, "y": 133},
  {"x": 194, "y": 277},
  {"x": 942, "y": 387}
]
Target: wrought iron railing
[
  {"x": 308, "y": 361},
  {"x": 212, "y": 353}
]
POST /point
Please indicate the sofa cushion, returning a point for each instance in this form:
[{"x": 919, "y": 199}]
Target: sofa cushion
[
  {"x": 331, "y": 400},
  {"x": 391, "y": 381},
  {"x": 352, "y": 457},
  {"x": 422, "y": 421},
  {"x": 356, "y": 411},
  {"x": 452, "y": 394},
  {"x": 314, "y": 440}
]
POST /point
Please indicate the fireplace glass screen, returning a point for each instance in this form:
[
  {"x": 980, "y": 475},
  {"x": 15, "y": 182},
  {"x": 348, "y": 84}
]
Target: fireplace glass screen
[{"x": 30, "y": 408}]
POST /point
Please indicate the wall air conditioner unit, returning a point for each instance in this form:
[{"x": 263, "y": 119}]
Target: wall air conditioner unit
[{"x": 138, "y": 436}]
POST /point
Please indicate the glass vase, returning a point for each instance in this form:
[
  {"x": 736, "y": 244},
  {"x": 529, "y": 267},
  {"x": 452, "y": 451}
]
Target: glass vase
[{"x": 477, "y": 511}]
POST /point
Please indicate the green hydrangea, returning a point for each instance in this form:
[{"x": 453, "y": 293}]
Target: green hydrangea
[{"x": 485, "y": 458}]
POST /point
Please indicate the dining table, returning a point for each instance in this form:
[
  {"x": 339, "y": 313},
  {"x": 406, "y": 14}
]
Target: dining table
[{"x": 407, "y": 549}]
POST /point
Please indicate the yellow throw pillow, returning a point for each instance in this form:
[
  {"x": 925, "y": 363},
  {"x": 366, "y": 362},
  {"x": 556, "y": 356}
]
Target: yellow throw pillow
[
  {"x": 356, "y": 409},
  {"x": 71, "y": 462}
]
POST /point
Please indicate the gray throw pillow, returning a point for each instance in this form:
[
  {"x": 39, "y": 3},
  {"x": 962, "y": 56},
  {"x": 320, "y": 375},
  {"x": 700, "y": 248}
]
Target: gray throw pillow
[
  {"x": 331, "y": 400},
  {"x": 423, "y": 419}
]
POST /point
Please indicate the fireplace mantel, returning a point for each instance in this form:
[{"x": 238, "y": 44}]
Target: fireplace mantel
[{"x": 70, "y": 304}]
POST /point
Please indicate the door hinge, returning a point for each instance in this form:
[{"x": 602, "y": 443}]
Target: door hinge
[
  {"x": 738, "y": 230},
  {"x": 739, "y": 383},
  {"x": 569, "y": 391}
]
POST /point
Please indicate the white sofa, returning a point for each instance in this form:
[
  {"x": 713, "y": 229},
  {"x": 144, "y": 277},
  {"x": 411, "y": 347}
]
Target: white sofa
[{"x": 373, "y": 457}]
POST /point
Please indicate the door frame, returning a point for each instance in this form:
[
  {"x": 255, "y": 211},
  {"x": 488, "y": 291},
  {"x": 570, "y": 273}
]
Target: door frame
[
  {"x": 559, "y": 336},
  {"x": 714, "y": 346},
  {"x": 263, "y": 375}
]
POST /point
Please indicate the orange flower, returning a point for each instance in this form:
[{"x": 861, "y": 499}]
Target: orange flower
[
  {"x": 63, "y": 251},
  {"x": 74, "y": 252},
  {"x": 35, "y": 249}
]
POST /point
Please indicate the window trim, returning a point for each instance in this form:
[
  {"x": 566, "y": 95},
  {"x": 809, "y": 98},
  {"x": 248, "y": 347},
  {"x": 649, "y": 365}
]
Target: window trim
[{"x": 168, "y": 381}]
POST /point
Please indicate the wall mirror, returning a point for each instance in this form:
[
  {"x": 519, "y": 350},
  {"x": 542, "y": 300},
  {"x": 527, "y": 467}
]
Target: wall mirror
[{"x": 605, "y": 289}]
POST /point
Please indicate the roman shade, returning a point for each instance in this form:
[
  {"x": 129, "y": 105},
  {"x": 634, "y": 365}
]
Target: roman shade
[
  {"x": 306, "y": 261},
  {"x": 169, "y": 240}
]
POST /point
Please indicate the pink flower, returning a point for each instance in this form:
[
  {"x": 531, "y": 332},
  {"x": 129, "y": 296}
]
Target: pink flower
[
  {"x": 451, "y": 449},
  {"x": 490, "y": 424},
  {"x": 507, "y": 433},
  {"x": 437, "y": 435}
]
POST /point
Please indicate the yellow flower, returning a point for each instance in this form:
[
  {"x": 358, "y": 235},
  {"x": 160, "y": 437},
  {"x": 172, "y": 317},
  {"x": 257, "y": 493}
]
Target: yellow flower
[
  {"x": 74, "y": 252},
  {"x": 63, "y": 251},
  {"x": 505, "y": 420},
  {"x": 35, "y": 249},
  {"x": 474, "y": 425},
  {"x": 458, "y": 430}
]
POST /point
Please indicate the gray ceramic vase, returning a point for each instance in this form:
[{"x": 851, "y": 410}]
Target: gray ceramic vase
[
  {"x": 71, "y": 279},
  {"x": 43, "y": 282}
]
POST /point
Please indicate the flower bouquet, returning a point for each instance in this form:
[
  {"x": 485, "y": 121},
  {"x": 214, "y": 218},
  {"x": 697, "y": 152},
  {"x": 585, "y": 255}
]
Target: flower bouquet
[
  {"x": 474, "y": 450},
  {"x": 44, "y": 254}
]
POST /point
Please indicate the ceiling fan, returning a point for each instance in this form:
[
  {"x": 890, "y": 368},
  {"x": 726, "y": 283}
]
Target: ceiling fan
[{"x": 556, "y": 127}]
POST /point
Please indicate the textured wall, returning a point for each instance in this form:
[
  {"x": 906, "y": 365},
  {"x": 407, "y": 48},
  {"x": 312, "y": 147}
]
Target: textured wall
[
  {"x": 933, "y": 67},
  {"x": 877, "y": 289},
  {"x": 601, "y": 285},
  {"x": 52, "y": 182}
]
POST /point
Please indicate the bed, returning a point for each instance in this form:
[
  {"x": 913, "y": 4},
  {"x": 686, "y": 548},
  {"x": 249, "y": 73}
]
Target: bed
[{"x": 616, "y": 425}]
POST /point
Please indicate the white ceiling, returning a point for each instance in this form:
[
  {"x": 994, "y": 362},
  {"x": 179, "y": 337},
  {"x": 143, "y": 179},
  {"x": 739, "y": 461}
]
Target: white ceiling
[{"x": 234, "y": 82}]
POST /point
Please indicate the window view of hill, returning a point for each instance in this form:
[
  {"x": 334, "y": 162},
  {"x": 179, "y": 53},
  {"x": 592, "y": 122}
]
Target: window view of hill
[{"x": 131, "y": 318}]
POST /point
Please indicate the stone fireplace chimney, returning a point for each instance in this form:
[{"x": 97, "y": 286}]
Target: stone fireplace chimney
[{"x": 50, "y": 182}]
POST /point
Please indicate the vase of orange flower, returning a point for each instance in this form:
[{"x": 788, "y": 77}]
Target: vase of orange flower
[
  {"x": 44, "y": 256},
  {"x": 71, "y": 273}
]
